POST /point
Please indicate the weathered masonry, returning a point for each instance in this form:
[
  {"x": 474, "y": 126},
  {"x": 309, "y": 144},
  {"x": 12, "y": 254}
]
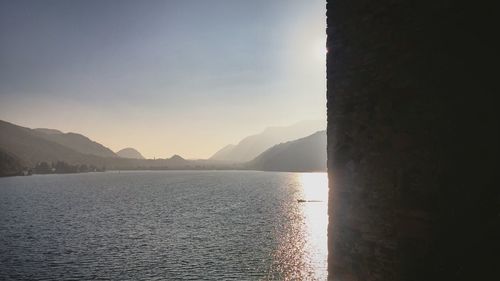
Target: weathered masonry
[{"x": 412, "y": 141}]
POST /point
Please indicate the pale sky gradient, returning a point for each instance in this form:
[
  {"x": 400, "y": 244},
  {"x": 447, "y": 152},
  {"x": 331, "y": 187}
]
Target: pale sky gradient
[{"x": 165, "y": 77}]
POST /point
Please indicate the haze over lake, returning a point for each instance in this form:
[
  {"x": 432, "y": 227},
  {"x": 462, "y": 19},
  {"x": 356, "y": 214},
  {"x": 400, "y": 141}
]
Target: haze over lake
[
  {"x": 163, "y": 140},
  {"x": 164, "y": 77},
  {"x": 164, "y": 225}
]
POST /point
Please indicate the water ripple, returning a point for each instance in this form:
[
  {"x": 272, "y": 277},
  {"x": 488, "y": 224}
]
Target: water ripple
[{"x": 163, "y": 226}]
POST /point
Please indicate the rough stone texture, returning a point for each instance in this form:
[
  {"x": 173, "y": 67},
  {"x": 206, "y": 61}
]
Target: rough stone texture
[{"x": 412, "y": 141}]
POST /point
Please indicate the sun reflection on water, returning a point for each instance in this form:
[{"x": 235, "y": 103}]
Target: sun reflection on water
[
  {"x": 301, "y": 253},
  {"x": 314, "y": 189},
  {"x": 314, "y": 186}
]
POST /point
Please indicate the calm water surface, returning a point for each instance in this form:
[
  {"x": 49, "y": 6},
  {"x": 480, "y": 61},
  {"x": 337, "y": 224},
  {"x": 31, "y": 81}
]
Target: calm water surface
[{"x": 165, "y": 225}]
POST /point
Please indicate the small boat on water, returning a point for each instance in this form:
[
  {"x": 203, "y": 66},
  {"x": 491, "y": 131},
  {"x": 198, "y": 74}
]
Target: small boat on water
[{"x": 303, "y": 201}]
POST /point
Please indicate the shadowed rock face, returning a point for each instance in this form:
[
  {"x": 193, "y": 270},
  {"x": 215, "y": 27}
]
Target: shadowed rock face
[{"x": 412, "y": 141}]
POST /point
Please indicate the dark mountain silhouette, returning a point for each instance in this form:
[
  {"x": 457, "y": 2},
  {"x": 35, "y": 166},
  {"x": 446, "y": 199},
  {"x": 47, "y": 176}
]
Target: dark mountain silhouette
[
  {"x": 178, "y": 160},
  {"x": 32, "y": 147},
  {"x": 9, "y": 164},
  {"x": 303, "y": 155},
  {"x": 130, "y": 152},
  {"x": 250, "y": 147},
  {"x": 76, "y": 142},
  {"x": 22, "y": 147},
  {"x": 27, "y": 147}
]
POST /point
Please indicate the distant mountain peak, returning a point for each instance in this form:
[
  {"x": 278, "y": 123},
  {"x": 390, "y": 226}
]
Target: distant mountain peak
[
  {"x": 129, "y": 152},
  {"x": 176, "y": 157},
  {"x": 251, "y": 146},
  {"x": 306, "y": 154}
]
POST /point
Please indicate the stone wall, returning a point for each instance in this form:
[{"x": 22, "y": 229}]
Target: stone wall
[{"x": 412, "y": 141}]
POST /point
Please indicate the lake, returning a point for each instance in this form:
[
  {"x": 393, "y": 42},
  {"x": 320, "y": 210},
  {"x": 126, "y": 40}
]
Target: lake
[{"x": 164, "y": 225}]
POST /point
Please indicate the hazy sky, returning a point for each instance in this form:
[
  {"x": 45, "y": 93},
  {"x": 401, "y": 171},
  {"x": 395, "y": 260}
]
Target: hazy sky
[{"x": 165, "y": 77}]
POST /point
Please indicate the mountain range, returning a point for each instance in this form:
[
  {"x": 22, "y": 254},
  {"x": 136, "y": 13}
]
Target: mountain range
[
  {"x": 24, "y": 147},
  {"x": 303, "y": 155},
  {"x": 33, "y": 146},
  {"x": 251, "y": 146}
]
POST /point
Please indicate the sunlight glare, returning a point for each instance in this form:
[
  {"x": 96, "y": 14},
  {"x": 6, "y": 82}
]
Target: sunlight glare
[
  {"x": 315, "y": 186},
  {"x": 315, "y": 191},
  {"x": 320, "y": 50}
]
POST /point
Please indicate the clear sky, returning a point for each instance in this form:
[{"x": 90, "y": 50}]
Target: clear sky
[{"x": 165, "y": 77}]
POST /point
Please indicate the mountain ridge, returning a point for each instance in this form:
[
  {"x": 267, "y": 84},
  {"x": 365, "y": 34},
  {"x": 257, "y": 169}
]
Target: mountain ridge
[
  {"x": 75, "y": 141},
  {"x": 24, "y": 148},
  {"x": 251, "y": 146},
  {"x": 306, "y": 154}
]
